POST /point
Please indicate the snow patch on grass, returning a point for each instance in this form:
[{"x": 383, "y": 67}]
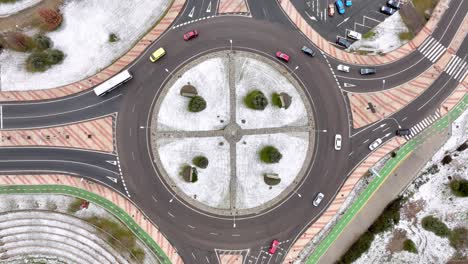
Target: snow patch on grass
[
  {"x": 252, "y": 75},
  {"x": 84, "y": 38},
  {"x": 251, "y": 188},
  {"x": 212, "y": 187},
  {"x": 210, "y": 78},
  {"x": 8, "y": 9}
]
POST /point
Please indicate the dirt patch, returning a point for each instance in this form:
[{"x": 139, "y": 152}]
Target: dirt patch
[
  {"x": 411, "y": 209},
  {"x": 396, "y": 242},
  {"x": 27, "y": 18},
  {"x": 416, "y": 13}
]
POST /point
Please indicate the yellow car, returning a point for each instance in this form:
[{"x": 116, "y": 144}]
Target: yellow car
[{"x": 157, "y": 54}]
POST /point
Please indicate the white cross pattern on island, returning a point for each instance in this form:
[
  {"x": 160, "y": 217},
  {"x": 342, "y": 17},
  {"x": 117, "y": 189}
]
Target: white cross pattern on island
[
  {"x": 432, "y": 49},
  {"x": 457, "y": 68}
]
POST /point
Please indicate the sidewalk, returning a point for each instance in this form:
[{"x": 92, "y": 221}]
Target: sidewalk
[
  {"x": 388, "y": 191},
  {"x": 108, "y": 72},
  {"x": 353, "y": 58},
  {"x": 112, "y": 201}
]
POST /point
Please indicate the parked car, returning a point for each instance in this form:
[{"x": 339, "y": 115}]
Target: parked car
[
  {"x": 387, "y": 10},
  {"x": 273, "y": 247},
  {"x": 340, "y": 6},
  {"x": 331, "y": 10},
  {"x": 343, "y": 68},
  {"x": 354, "y": 35},
  {"x": 337, "y": 142},
  {"x": 282, "y": 56},
  {"x": 375, "y": 144},
  {"x": 367, "y": 71},
  {"x": 395, "y": 4},
  {"x": 403, "y": 132},
  {"x": 308, "y": 51},
  {"x": 343, "y": 42},
  {"x": 190, "y": 35},
  {"x": 157, "y": 54},
  {"x": 318, "y": 199},
  {"x": 348, "y": 3}
]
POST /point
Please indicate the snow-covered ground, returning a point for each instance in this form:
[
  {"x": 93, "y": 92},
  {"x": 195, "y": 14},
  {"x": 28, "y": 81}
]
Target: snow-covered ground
[
  {"x": 210, "y": 78},
  {"x": 252, "y": 74},
  {"x": 84, "y": 38},
  {"x": 251, "y": 188},
  {"x": 8, "y": 9},
  {"x": 386, "y": 38},
  {"x": 212, "y": 187},
  {"x": 433, "y": 197}
]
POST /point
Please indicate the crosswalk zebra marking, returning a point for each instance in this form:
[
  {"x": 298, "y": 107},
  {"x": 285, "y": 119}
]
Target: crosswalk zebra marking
[
  {"x": 457, "y": 68},
  {"x": 421, "y": 125},
  {"x": 432, "y": 49}
]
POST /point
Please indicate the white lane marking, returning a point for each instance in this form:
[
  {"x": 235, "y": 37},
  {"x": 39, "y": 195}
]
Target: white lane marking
[
  {"x": 192, "y": 227},
  {"x": 193, "y": 255},
  {"x": 169, "y": 213},
  {"x": 346, "y": 19},
  {"x": 208, "y": 10},
  {"x": 112, "y": 179},
  {"x": 113, "y": 162},
  {"x": 428, "y": 44},
  {"x": 1, "y": 116},
  {"x": 154, "y": 199},
  {"x": 191, "y": 12},
  {"x": 214, "y": 234},
  {"x": 450, "y": 64},
  {"x": 461, "y": 68},
  {"x": 133, "y": 155},
  {"x": 434, "y": 59}
]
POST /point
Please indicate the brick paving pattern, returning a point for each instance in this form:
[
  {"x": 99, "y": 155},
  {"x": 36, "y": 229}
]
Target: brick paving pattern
[
  {"x": 231, "y": 259},
  {"x": 392, "y": 100},
  {"x": 342, "y": 55},
  {"x": 102, "y": 191},
  {"x": 94, "y": 134},
  {"x": 343, "y": 193},
  {"x": 105, "y": 74},
  {"x": 232, "y": 6},
  {"x": 455, "y": 97}
]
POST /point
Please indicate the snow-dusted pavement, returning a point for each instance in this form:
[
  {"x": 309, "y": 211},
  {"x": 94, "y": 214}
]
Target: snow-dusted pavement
[
  {"x": 84, "y": 38},
  {"x": 433, "y": 197}
]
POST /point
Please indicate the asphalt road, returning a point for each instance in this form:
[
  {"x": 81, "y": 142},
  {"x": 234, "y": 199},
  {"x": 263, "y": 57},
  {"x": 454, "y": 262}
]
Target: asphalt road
[{"x": 197, "y": 234}]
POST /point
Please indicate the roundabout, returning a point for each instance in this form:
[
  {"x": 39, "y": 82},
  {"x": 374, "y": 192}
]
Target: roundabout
[{"x": 228, "y": 131}]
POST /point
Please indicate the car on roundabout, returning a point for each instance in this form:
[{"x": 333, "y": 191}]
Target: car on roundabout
[
  {"x": 318, "y": 199},
  {"x": 338, "y": 141},
  {"x": 190, "y": 35},
  {"x": 157, "y": 54},
  {"x": 308, "y": 51},
  {"x": 273, "y": 247},
  {"x": 282, "y": 56},
  {"x": 342, "y": 68},
  {"x": 375, "y": 144},
  {"x": 367, "y": 71}
]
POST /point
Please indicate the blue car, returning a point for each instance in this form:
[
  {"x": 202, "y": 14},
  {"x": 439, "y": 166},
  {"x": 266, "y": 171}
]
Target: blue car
[
  {"x": 340, "y": 6},
  {"x": 349, "y": 2}
]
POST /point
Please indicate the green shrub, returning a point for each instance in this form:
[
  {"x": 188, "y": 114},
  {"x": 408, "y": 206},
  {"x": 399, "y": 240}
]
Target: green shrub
[
  {"x": 40, "y": 61},
  {"x": 389, "y": 217},
  {"x": 270, "y": 154},
  {"x": 8, "y": 1},
  {"x": 409, "y": 246},
  {"x": 433, "y": 224},
  {"x": 459, "y": 187},
  {"x": 197, "y": 104},
  {"x": 275, "y": 100},
  {"x": 195, "y": 175},
  {"x": 42, "y": 42},
  {"x": 113, "y": 38},
  {"x": 357, "y": 249},
  {"x": 256, "y": 100},
  {"x": 446, "y": 160},
  {"x": 75, "y": 206},
  {"x": 459, "y": 238},
  {"x": 406, "y": 35},
  {"x": 200, "y": 161}
]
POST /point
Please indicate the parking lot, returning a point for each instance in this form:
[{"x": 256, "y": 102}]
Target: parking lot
[{"x": 362, "y": 16}]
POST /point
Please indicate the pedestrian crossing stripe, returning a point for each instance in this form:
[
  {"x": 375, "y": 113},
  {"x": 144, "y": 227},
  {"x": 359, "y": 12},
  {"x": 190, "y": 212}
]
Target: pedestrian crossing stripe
[
  {"x": 432, "y": 49},
  {"x": 457, "y": 68},
  {"x": 419, "y": 127}
]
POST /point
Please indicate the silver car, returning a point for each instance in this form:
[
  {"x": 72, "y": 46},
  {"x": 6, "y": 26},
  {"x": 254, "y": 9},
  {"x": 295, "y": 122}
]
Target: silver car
[
  {"x": 375, "y": 144},
  {"x": 318, "y": 199}
]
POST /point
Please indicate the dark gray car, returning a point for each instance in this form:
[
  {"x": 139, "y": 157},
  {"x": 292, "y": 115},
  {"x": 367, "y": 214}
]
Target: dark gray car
[
  {"x": 308, "y": 51},
  {"x": 367, "y": 71}
]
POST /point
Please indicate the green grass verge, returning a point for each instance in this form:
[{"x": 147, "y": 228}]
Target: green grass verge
[
  {"x": 406, "y": 35},
  {"x": 369, "y": 34}
]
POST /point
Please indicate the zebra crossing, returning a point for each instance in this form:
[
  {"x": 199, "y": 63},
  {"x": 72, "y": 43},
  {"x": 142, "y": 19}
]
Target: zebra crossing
[
  {"x": 419, "y": 127},
  {"x": 457, "y": 68},
  {"x": 432, "y": 49}
]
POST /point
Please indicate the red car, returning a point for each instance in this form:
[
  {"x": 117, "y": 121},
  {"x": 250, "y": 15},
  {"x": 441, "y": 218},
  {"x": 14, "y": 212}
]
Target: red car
[
  {"x": 282, "y": 56},
  {"x": 190, "y": 35},
  {"x": 273, "y": 247}
]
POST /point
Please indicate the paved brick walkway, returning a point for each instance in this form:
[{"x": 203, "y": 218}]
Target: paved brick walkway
[
  {"x": 94, "y": 134},
  {"x": 232, "y": 6},
  {"x": 392, "y": 100},
  {"x": 231, "y": 259},
  {"x": 102, "y": 191},
  {"x": 340, "y": 198},
  {"x": 455, "y": 97},
  {"x": 105, "y": 74},
  {"x": 347, "y": 57}
]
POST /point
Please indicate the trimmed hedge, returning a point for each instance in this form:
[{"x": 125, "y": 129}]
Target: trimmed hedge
[
  {"x": 409, "y": 246},
  {"x": 200, "y": 161},
  {"x": 459, "y": 187},
  {"x": 197, "y": 104},
  {"x": 113, "y": 38},
  {"x": 42, "y": 42},
  {"x": 275, "y": 100},
  {"x": 436, "y": 226},
  {"x": 256, "y": 100},
  {"x": 270, "y": 154}
]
